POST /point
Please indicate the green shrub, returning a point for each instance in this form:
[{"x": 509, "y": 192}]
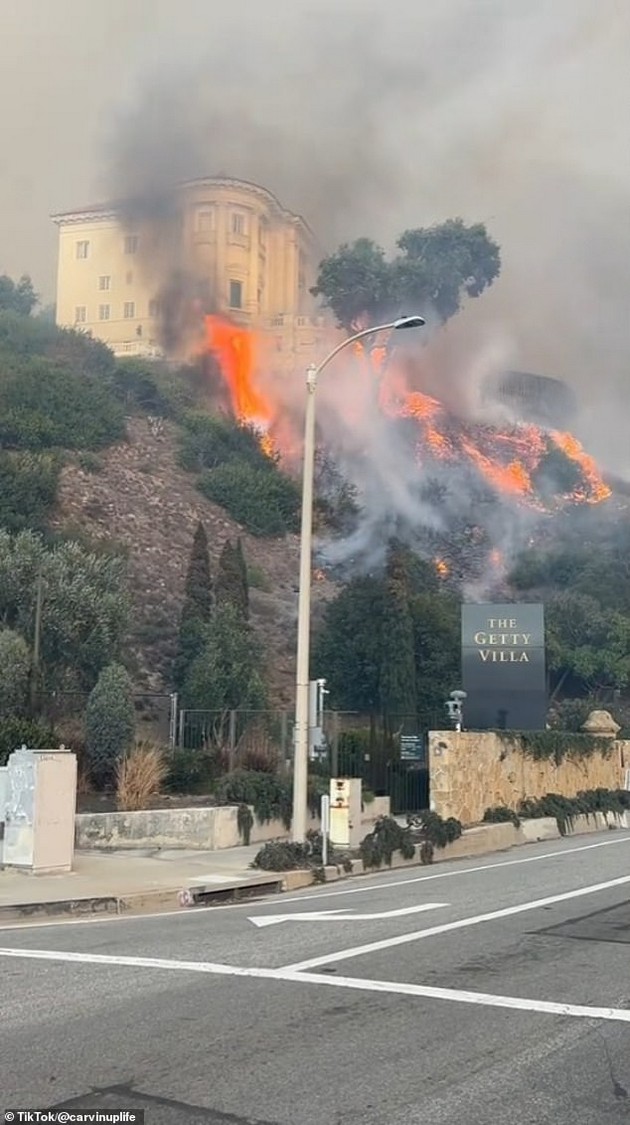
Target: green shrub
[
  {"x": 501, "y": 815},
  {"x": 565, "y": 809},
  {"x": 432, "y": 827},
  {"x": 190, "y": 771},
  {"x": 85, "y": 606},
  {"x": 556, "y": 745},
  {"x": 257, "y": 579},
  {"x": 28, "y": 488},
  {"x": 264, "y": 500},
  {"x": 270, "y": 796},
  {"x": 15, "y": 668},
  {"x": 44, "y": 406},
  {"x": 387, "y": 837},
  {"x": 571, "y": 714},
  {"x": 15, "y": 733},
  {"x": 25, "y": 337},
  {"x": 281, "y": 855},
  {"x": 208, "y": 441},
  {"x": 353, "y": 747},
  {"x": 90, "y": 462},
  {"x": 152, "y": 387},
  {"x": 109, "y": 723}
]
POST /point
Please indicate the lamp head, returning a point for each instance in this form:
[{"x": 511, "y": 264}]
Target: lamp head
[{"x": 409, "y": 322}]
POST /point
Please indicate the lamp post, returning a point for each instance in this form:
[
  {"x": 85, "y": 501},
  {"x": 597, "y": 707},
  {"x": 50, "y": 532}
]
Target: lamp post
[{"x": 300, "y": 762}]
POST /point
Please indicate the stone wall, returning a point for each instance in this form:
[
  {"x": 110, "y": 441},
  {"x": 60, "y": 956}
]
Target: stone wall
[
  {"x": 472, "y": 771},
  {"x": 210, "y": 829}
]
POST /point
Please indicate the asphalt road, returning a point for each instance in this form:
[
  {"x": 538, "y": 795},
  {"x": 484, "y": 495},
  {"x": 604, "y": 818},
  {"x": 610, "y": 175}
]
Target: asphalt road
[{"x": 496, "y": 989}]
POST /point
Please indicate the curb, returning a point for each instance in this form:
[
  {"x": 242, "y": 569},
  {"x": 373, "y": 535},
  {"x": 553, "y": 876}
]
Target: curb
[
  {"x": 143, "y": 902},
  {"x": 485, "y": 840}
]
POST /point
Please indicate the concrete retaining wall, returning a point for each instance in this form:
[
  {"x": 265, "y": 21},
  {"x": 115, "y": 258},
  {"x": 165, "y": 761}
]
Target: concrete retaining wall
[
  {"x": 473, "y": 771},
  {"x": 209, "y": 829}
]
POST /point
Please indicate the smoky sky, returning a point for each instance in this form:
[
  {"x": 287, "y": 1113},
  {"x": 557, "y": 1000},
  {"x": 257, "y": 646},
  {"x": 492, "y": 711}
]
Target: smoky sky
[{"x": 367, "y": 118}]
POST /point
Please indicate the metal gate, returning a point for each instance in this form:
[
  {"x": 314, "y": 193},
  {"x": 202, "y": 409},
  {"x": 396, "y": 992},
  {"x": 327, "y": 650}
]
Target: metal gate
[{"x": 389, "y": 765}]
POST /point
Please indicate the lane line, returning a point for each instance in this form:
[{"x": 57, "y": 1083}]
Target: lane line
[
  {"x": 447, "y": 927},
  {"x": 297, "y": 896},
  {"x": 138, "y": 962},
  {"x": 458, "y": 996}
]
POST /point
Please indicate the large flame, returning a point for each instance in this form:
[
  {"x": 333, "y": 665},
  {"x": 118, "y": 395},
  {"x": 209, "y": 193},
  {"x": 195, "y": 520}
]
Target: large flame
[
  {"x": 508, "y": 460},
  {"x": 238, "y": 353}
]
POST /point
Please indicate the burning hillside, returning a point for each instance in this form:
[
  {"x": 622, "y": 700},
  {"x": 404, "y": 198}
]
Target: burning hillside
[{"x": 468, "y": 478}]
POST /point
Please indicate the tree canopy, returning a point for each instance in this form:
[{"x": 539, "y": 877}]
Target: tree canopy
[
  {"x": 109, "y": 722},
  {"x": 84, "y": 606},
  {"x": 197, "y": 605},
  {"x": 435, "y": 269},
  {"x": 389, "y": 643},
  {"x": 17, "y": 296},
  {"x": 225, "y": 676},
  {"x": 232, "y": 585}
]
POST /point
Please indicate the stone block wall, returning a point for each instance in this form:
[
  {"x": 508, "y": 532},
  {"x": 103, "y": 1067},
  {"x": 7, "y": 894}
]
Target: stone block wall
[
  {"x": 211, "y": 828},
  {"x": 472, "y": 771}
]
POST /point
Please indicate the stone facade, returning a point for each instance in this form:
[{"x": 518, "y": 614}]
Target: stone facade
[
  {"x": 472, "y": 771},
  {"x": 251, "y": 259}
]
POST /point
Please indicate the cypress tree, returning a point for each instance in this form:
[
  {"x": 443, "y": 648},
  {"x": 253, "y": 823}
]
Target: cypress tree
[
  {"x": 197, "y": 607},
  {"x": 198, "y": 586},
  {"x": 242, "y": 566},
  {"x": 398, "y": 669},
  {"x": 232, "y": 585},
  {"x": 109, "y": 722}
]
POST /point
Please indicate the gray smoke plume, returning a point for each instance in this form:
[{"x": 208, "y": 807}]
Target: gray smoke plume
[{"x": 369, "y": 118}]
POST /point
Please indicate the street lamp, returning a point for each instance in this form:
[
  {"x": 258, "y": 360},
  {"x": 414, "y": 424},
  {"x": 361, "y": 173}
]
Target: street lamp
[{"x": 300, "y": 762}]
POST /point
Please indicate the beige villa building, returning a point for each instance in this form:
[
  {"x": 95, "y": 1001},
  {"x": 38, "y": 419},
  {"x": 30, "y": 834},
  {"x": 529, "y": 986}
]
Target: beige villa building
[{"x": 256, "y": 260}]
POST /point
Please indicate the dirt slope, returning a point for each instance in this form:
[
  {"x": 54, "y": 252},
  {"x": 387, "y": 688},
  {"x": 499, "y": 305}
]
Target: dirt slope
[{"x": 143, "y": 501}]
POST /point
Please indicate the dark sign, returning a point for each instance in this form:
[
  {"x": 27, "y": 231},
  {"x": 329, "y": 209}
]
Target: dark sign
[
  {"x": 411, "y": 748},
  {"x": 503, "y": 667}
]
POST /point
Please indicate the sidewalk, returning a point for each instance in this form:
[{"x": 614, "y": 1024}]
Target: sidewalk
[{"x": 130, "y": 880}]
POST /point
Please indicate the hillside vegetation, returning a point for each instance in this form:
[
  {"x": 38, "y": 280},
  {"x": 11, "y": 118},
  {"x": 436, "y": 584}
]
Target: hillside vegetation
[
  {"x": 106, "y": 470},
  {"x": 146, "y": 540}
]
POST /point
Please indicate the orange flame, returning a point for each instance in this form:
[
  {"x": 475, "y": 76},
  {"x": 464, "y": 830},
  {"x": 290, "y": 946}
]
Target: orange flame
[
  {"x": 507, "y": 460},
  {"x": 597, "y": 489},
  {"x": 442, "y": 568},
  {"x": 236, "y": 351}
]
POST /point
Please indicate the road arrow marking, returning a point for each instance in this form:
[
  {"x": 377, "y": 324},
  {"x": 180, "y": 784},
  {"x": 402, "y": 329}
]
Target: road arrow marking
[{"x": 344, "y": 915}]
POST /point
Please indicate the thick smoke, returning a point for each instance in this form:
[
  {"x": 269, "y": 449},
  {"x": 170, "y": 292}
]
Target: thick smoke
[{"x": 369, "y": 118}]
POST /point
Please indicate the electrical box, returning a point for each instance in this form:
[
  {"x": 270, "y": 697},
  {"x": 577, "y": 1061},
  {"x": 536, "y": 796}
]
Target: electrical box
[
  {"x": 39, "y": 807},
  {"x": 345, "y": 812}
]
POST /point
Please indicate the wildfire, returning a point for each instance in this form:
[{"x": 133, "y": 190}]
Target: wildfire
[
  {"x": 597, "y": 489},
  {"x": 442, "y": 568},
  {"x": 508, "y": 460},
  {"x": 237, "y": 353}
]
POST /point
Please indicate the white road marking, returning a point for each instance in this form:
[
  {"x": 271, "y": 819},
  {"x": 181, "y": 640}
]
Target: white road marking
[
  {"x": 344, "y": 915},
  {"x": 459, "y": 996},
  {"x": 286, "y": 976},
  {"x": 447, "y": 927},
  {"x": 367, "y": 887}
]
